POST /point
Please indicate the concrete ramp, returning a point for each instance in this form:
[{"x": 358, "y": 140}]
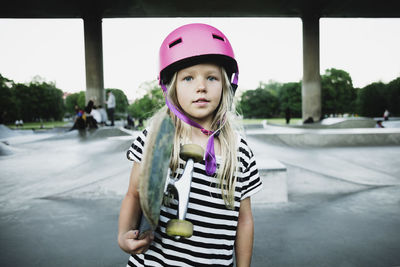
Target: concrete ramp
[
  {"x": 5, "y": 149},
  {"x": 371, "y": 166},
  {"x": 89, "y": 135},
  {"x": 6, "y": 132},
  {"x": 327, "y": 137}
]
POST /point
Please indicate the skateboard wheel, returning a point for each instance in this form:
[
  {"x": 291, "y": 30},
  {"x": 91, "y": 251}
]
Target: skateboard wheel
[
  {"x": 192, "y": 151},
  {"x": 176, "y": 227}
]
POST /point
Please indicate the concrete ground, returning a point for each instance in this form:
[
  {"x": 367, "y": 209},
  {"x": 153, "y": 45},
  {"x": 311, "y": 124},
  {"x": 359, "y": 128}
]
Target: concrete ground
[
  {"x": 343, "y": 208},
  {"x": 60, "y": 195}
]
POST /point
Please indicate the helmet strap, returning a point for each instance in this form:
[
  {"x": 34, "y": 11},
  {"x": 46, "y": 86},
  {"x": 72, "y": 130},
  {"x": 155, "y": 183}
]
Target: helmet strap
[
  {"x": 210, "y": 159},
  {"x": 234, "y": 83}
]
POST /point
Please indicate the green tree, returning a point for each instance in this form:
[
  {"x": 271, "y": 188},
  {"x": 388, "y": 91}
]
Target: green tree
[
  {"x": 46, "y": 100},
  {"x": 121, "y": 101},
  {"x": 75, "y": 99},
  {"x": 337, "y": 92},
  {"x": 371, "y": 100},
  {"x": 38, "y": 100},
  {"x": 147, "y": 105},
  {"x": 290, "y": 97},
  {"x": 82, "y": 99},
  {"x": 70, "y": 102},
  {"x": 24, "y": 104},
  {"x": 392, "y": 96},
  {"x": 259, "y": 103},
  {"x": 272, "y": 86},
  {"x": 7, "y": 100}
]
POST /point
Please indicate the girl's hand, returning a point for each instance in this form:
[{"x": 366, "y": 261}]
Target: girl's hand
[{"x": 130, "y": 242}]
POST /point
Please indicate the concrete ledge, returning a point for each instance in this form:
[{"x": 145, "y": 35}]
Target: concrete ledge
[
  {"x": 274, "y": 177},
  {"x": 338, "y": 123},
  {"x": 328, "y": 137}
]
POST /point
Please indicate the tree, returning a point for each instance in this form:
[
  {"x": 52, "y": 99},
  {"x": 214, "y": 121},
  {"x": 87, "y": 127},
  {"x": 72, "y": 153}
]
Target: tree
[
  {"x": 258, "y": 103},
  {"x": 35, "y": 101},
  {"x": 70, "y": 102},
  {"x": 46, "y": 100},
  {"x": 7, "y": 100},
  {"x": 147, "y": 105},
  {"x": 290, "y": 97},
  {"x": 392, "y": 96},
  {"x": 75, "y": 99},
  {"x": 371, "y": 100},
  {"x": 25, "y": 102},
  {"x": 338, "y": 93},
  {"x": 82, "y": 99}
]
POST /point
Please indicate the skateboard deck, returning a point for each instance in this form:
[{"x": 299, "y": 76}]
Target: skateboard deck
[{"x": 154, "y": 170}]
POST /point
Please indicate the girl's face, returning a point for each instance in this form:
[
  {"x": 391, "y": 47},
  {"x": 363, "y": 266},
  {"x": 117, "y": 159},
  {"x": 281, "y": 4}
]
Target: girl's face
[{"x": 199, "y": 90}]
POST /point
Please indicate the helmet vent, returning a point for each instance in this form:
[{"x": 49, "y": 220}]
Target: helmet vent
[
  {"x": 177, "y": 41},
  {"x": 218, "y": 37}
]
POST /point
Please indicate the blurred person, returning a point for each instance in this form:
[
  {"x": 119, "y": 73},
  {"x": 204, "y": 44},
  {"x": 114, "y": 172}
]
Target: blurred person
[
  {"x": 111, "y": 106},
  {"x": 96, "y": 114},
  {"x": 386, "y": 115},
  {"x": 90, "y": 121},
  {"x": 103, "y": 114}
]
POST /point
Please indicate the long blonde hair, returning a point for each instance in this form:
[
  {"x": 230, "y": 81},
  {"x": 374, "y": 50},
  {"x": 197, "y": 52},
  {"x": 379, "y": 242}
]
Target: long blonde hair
[{"x": 223, "y": 120}]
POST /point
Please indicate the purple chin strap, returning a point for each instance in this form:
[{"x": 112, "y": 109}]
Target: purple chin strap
[{"x": 210, "y": 160}]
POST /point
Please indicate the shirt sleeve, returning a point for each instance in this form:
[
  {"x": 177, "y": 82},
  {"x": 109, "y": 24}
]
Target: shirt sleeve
[
  {"x": 251, "y": 181},
  {"x": 135, "y": 152}
]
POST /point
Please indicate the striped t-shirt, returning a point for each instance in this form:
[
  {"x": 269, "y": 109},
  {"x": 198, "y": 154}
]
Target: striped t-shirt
[{"x": 214, "y": 225}]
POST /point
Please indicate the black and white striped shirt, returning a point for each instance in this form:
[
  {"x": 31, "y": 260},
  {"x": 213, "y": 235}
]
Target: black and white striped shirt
[{"x": 214, "y": 225}]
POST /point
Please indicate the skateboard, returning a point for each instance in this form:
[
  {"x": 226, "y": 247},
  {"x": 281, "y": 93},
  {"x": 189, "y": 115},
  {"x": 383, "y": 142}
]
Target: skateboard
[
  {"x": 155, "y": 184},
  {"x": 154, "y": 171}
]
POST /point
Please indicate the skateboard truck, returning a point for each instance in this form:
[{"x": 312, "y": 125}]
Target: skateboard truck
[{"x": 180, "y": 227}]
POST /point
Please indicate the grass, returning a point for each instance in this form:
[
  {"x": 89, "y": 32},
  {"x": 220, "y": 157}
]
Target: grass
[{"x": 38, "y": 125}]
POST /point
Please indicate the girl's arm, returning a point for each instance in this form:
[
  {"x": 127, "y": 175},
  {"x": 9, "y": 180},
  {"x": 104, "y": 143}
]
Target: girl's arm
[
  {"x": 129, "y": 218},
  {"x": 244, "y": 234}
]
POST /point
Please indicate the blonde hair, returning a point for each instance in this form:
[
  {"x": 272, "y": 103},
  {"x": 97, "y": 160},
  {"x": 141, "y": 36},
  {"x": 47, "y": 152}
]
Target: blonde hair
[{"x": 223, "y": 121}]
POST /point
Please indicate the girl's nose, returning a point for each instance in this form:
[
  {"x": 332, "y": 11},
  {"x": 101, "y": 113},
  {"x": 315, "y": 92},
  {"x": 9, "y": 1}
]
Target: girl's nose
[{"x": 201, "y": 85}]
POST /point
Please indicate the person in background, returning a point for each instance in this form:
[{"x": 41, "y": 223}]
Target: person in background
[
  {"x": 287, "y": 115},
  {"x": 386, "y": 115},
  {"x": 103, "y": 113},
  {"x": 80, "y": 119},
  {"x": 90, "y": 121},
  {"x": 131, "y": 122},
  {"x": 379, "y": 124},
  {"x": 111, "y": 106},
  {"x": 96, "y": 114}
]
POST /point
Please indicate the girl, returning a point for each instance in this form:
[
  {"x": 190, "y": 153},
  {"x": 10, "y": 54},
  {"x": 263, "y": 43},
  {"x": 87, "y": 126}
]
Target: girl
[{"x": 197, "y": 64}]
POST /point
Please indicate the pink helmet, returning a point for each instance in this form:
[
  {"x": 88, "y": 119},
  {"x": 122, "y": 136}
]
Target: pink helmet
[{"x": 193, "y": 44}]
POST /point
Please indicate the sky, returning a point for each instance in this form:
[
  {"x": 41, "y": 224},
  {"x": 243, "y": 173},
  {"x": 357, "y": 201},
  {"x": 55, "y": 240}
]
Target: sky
[{"x": 266, "y": 49}]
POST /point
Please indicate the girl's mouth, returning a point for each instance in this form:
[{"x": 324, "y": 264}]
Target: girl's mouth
[{"x": 201, "y": 100}]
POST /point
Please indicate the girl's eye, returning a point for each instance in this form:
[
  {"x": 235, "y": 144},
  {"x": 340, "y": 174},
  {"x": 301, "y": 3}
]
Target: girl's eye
[
  {"x": 212, "y": 78},
  {"x": 188, "y": 78}
]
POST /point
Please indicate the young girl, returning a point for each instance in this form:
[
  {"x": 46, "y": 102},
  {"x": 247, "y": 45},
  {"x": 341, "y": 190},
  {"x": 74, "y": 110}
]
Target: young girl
[{"x": 196, "y": 68}]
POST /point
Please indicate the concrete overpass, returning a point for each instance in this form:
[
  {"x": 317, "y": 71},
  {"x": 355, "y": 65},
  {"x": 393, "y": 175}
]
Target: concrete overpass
[{"x": 310, "y": 11}]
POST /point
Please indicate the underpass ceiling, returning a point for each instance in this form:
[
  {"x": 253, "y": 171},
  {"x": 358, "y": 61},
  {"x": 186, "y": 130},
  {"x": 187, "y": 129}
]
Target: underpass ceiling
[{"x": 204, "y": 8}]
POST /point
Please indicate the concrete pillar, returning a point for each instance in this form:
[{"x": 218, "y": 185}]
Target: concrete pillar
[
  {"x": 94, "y": 60},
  {"x": 311, "y": 86}
]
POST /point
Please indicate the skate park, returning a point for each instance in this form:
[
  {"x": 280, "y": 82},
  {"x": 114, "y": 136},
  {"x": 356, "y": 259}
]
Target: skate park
[
  {"x": 326, "y": 201},
  {"x": 327, "y": 205}
]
